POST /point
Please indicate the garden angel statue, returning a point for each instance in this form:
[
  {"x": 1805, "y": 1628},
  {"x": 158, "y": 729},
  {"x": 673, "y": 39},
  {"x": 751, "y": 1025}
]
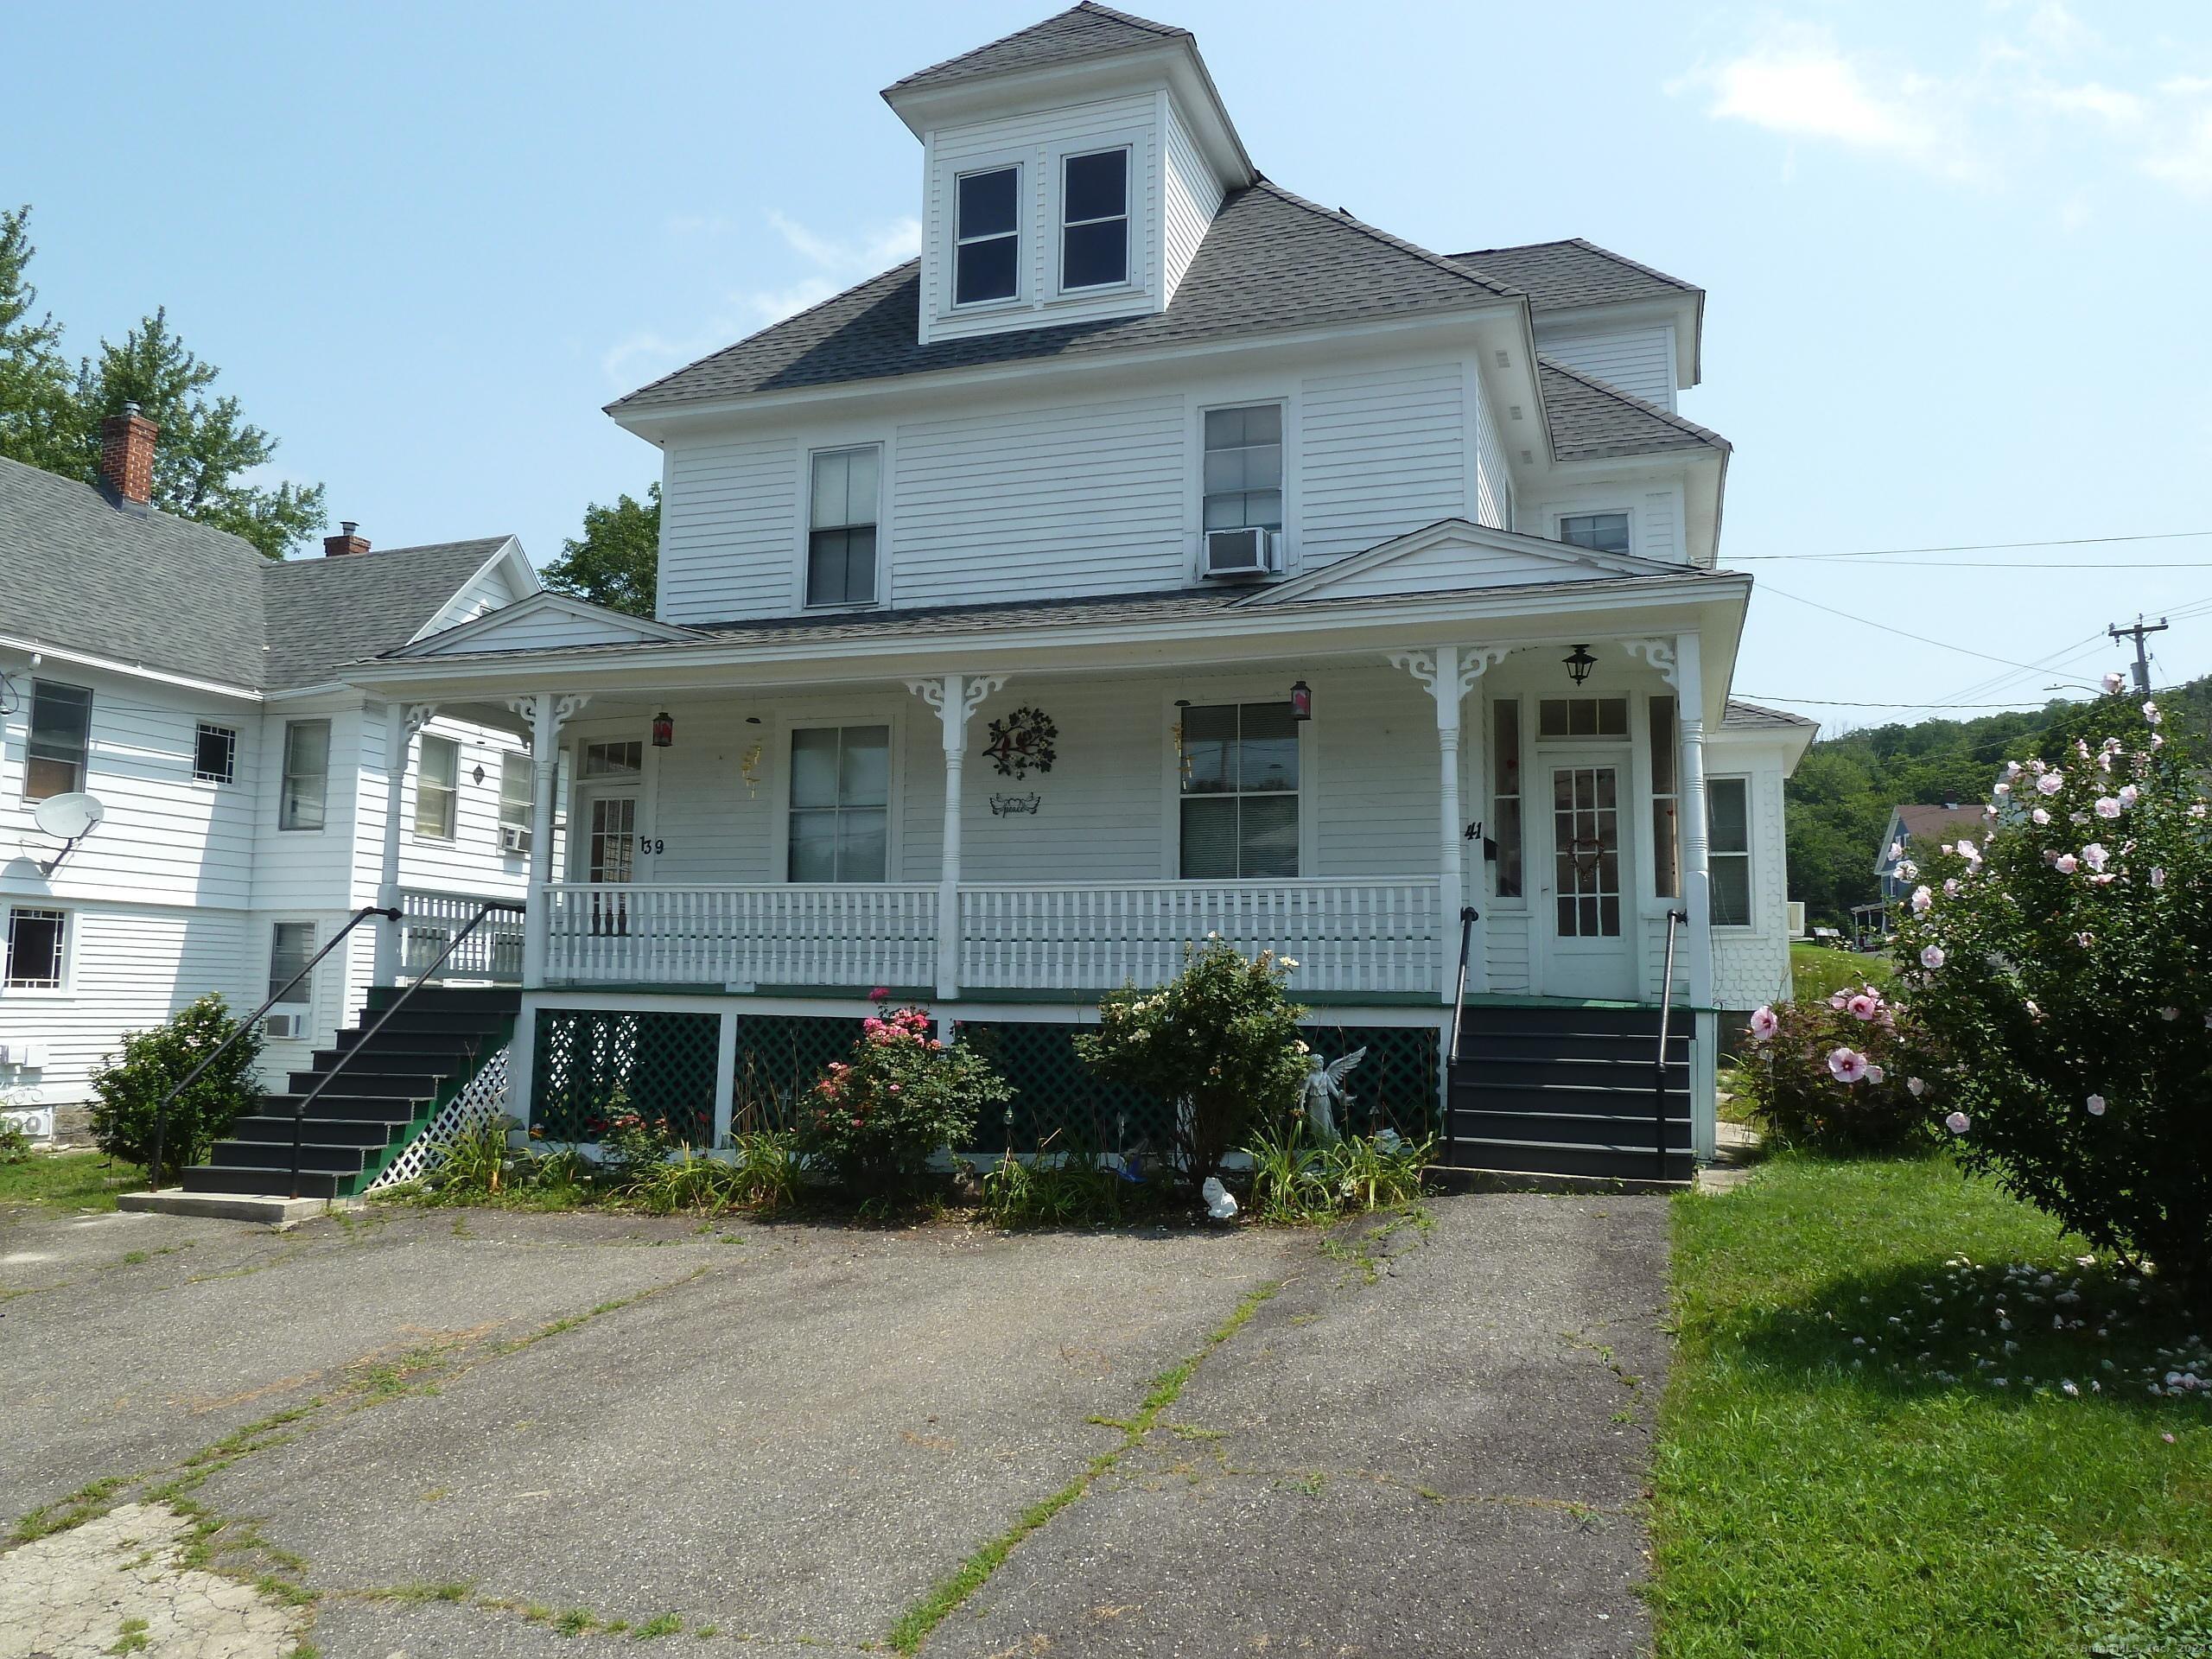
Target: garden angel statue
[{"x": 1325, "y": 1091}]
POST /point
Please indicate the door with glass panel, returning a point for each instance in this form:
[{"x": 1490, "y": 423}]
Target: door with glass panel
[
  {"x": 1585, "y": 902},
  {"x": 604, "y": 853}
]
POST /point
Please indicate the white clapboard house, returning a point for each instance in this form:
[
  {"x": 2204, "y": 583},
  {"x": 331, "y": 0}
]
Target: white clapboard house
[
  {"x": 189, "y": 686},
  {"x": 1158, "y": 555}
]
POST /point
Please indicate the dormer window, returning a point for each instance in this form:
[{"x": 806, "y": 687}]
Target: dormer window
[
  {"x": 987, "y": 236},
  {"x": 1601, "y": 532},
  {"x": 1095, "y": 220}
]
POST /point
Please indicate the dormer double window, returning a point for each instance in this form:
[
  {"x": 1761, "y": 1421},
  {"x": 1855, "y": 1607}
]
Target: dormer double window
[{"x": 1093, "y": 244}]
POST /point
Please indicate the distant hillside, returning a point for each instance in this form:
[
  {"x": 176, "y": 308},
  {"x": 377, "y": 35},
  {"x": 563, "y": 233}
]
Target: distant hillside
[{"x": 1839, "y": 800}]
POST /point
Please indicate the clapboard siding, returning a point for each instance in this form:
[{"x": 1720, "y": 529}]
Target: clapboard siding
[
  {"x": 1376, "y": 774},
  {"x": 1191, "y": 197},
  {"x": 1657, "y": 523},
  {"x": 1380, "y": 452},
  {"x": 729, "y": 530},
  {"x": 1752, "y": 965},
  {"x": 1505, "y": 951},
  {"x": 1037, "y": 141},
  {"x": 1493, "y": 478},
  {"x": 1086, "y": 499},
  {"x": 1639, "y": 360}
]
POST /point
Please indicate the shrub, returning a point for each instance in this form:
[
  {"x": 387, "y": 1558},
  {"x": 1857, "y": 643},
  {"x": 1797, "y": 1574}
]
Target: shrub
[
  {"x": 876, "y": 1121},
  {"x": 1298, "y": 1179},
  {"x": 1823, "y": 1073},
  {"x": 15, "y": 1142},
  {"x": 1053, "y": 1189},
  {"x": 1220, "y": 1041},
  {"x": 2059, "y": 990},
  {"x": 129, "y": 1086}
]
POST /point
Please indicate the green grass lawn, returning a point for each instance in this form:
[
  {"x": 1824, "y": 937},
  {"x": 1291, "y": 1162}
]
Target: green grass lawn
[
  {"x": 1817, "y": 970},
  {"x": 68, "y": 1180},
  {"x": 1810, "y": 1500}
]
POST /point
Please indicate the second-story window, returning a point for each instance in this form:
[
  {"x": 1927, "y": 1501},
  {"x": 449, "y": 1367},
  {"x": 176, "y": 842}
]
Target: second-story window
[
  {"x": 841, "y": 535},
  {"x": 306, "y": 775},
  {"x": 1095, "y": 220},
  {"x": 60, "y": 735},
  {"x": 987, "y": 236},
  {"x": 1244, "y": 467},
  {"x": 1601, "y": 532},
  {"x": 438, "y": 789}
]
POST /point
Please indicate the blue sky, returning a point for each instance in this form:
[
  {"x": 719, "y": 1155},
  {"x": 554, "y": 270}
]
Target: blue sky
[{"x": 1957, "y": 255}]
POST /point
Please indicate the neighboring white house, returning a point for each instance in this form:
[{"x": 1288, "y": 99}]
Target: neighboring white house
[
  {"x": 190, "y": 686},
  {"x": 1160, "y": 554}
]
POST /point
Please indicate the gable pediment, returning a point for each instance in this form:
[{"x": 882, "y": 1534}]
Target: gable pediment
[
  {"x": 1456, "y": 555},
  {"x": 545, "y": 621}
]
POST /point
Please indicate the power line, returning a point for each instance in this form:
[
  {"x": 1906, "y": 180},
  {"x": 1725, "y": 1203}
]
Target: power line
[
  {"x": 1846, "y": 702},
  {"x": 1991, "y": 547},
  {"x": 1989, "y": 564},
  {"x": 1941, "y": 645}
]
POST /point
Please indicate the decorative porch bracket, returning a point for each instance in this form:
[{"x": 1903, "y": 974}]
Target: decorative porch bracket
[
  {"x": 1660, "y": 653},
  {"x": 955, "y": 696},
  {"x": 546, "y": 712},
  {"x": 1449, "y": 673},
  {"x": 403, "y": 723}
]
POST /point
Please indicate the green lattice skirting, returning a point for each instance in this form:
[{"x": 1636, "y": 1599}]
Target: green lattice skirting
[{"x": 593, "y": 1064}]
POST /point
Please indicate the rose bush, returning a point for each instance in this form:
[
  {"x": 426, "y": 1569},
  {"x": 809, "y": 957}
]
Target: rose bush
[
  {"x": 876, "y": 1119},
  {"x": 1220, "y": 1041},
  {"x": 1822, "y": 1073},
  {"x": 2057, "y": 996}
]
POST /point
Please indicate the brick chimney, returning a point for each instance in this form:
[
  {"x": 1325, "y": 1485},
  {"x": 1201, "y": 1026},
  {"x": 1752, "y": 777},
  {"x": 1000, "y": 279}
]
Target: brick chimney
[
  {"x": 346, "y": 541},
  {"x": 127, "y": 455}
]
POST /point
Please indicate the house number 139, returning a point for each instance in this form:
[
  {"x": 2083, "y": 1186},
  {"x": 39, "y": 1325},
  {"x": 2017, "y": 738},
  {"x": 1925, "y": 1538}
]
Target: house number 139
[{"x": 651, "y": 845}]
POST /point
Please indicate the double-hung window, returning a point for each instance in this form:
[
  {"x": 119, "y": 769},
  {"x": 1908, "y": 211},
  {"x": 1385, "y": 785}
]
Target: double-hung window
[
  {"x": 514, "y": 791},
  {"x": 306, "y": 789},
  {"x": 215, "y": 754},
  {"x": 61, "y": 736},
  {"x": 840, "y": 804},
  {"x": 987, "y": 236},
  {"x": 1728, "y": 855},
  {"x": 841, "y": 536},
  {"x": 437, "y": 788},
  {"x": 1095, "y": 220},
  {"x": 291, "y": 946},
  {"x": 1240, "y": 792},
  {"x": 1244, "y": 467},
  {"x": 1601, "y": 532},
  {"x": 38, "y": 957}
]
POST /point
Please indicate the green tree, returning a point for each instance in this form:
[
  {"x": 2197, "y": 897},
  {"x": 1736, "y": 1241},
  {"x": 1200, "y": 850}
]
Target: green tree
[
  {"x": 38, "y": 418},
  {"x": 206, "y": 450},
  {"x": 616, "y": 562},
  {"x": 129, "y": 1087}
]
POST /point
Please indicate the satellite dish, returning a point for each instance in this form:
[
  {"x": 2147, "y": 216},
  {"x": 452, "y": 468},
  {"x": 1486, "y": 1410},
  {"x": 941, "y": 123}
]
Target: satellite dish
[{"x": 68, "y": 817}]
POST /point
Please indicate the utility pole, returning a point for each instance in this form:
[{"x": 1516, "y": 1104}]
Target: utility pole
[{"x": 2139, "y": 632}]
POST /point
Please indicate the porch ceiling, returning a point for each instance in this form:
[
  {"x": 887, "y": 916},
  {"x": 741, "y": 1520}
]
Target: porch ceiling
[{"x": 1134, "y": 639}]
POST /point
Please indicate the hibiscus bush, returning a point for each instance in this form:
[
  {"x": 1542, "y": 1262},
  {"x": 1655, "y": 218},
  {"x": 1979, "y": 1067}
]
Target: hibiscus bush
[
  {"x": 2058, "y": 990},
  {"x": 1822, "y": 1073},
  {"x": 876, "y": 1121},
  {"x": 1220, "y": 1041}
]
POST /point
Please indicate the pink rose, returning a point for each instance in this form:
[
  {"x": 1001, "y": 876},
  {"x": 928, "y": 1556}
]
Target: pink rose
[
  {"x": 2067, "y": 863},
  {"x": 1921, "y": 898},
  {"x": 2051, "y": 783}
]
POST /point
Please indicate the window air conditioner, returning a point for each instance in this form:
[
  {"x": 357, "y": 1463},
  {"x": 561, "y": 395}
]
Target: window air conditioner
[
  {"x": 1248, "y": 552},
  {"x": 283, "y": 1027},
  {"x": 29, "y": 1057},
  {"x": 514, "y": 838}
]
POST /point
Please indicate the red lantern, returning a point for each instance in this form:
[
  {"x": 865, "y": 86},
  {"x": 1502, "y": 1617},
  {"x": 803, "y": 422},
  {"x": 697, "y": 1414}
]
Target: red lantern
[
  {"x": 664, "y": 729},
  {"x": 1301, "y": 700}
]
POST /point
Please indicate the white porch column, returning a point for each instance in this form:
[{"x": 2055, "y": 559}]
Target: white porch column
[
  {"x": 1450, "y": 672},
  {"x": 547, "y": 712},
  {"x": 401, "y": 724},
  {"x": 954, "y": 697},
  {"x": 1697, "y": 892}
]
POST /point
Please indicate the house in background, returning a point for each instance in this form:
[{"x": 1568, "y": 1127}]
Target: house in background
[
  {"x": 191, "y": 686},
  {"x": 1158, "y": 555},
  {"x": 1921, "y": 826}
]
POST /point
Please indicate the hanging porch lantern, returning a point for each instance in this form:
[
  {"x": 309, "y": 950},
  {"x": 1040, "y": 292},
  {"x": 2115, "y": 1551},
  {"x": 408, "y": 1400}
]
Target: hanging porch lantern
[
  {"x": 1301, "y": 700},
  {"x": 1578, "y": 665},
  {"x": 664, "y": 729}
]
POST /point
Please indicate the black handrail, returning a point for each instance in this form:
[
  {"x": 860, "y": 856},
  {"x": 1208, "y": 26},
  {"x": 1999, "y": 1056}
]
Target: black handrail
[
  {"x": 161, "y": 1111},
  {"x": 1674, "y": 918},
  {"x": 300, "y": 1112},
  {"x": 1468, "y": 917}
]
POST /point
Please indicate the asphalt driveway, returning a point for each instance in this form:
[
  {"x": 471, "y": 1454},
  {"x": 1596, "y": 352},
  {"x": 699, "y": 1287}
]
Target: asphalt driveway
[{"x": 439, "y": 1432}]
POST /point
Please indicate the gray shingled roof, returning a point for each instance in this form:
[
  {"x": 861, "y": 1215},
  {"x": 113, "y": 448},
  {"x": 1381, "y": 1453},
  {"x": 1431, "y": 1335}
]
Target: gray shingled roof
[
  {"x": 1081, "y": 32},
  {"x": 323, "y": 613},
  {"x": 1591, "y": 420},
  {"x": 1756, "y": 717},
  {"x": 1270, "y": 261},
  {"x": 1558, "y": 275},
  {"x": 83, "y": 572}
]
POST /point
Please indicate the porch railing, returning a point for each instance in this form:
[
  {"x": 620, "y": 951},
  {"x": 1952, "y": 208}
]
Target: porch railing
[
  {"x": 428, "y": 922},
  {"x": 1371, "y": 935},
  {"x": 783, "y": 934}
]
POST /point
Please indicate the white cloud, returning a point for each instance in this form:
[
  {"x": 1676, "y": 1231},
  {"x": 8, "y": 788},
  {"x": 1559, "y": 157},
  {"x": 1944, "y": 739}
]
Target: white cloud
[
  {"x": 1798, "y": 82},
  {"x": 2120, "y": 109},
  {"x": 2185, "y": 161},
  {"x": 837, "y": 265}
]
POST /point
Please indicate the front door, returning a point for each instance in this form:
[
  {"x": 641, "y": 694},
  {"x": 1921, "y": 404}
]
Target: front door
[
  {"x": 1582, "y": 909},
  {"x": 609, "y": 853}
]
